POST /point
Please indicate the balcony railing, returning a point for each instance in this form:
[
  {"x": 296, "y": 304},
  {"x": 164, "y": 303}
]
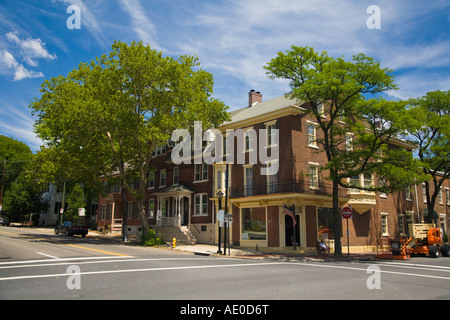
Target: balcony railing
[{"x": 302, "y": 186}]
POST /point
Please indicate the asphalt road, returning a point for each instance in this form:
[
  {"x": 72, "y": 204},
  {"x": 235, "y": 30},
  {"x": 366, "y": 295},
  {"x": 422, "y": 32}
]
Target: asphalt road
[{"x": 46, "y": 267}]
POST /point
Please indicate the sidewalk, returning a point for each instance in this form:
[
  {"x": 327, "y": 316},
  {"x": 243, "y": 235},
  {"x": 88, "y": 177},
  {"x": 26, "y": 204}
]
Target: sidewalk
[{"x": 243, "y": 253}]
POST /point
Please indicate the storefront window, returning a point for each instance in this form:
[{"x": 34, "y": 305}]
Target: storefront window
[
  {"x": 254, "y": 224},
  {"x": 325, "y": 216}
]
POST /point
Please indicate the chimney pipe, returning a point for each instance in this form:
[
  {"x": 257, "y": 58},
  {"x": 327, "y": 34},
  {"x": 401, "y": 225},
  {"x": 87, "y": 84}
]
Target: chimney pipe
[{"x": 254, "y": 97}]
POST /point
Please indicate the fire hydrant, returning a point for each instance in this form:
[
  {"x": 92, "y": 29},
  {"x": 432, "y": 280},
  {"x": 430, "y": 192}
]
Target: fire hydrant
[{"x": 174, "y": 242}]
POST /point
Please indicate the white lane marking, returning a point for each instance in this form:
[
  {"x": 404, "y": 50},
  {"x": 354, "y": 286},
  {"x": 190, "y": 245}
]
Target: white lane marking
[
  {"x": 365, "y": 270},
  {"x": 47, "y": 255},
  {"x": 61, "y": 259},
  {"x": 141, "y": 270},
  {"x": 80, "y": 261}
]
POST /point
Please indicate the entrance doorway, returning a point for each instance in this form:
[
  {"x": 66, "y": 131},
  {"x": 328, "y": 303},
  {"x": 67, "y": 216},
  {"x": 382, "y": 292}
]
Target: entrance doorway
[
  {"x": 289, "y": 230},
  {"x": 185, "y": 214}
]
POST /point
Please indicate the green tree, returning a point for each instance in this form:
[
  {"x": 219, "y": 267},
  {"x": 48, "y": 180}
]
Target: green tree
[
  {"x": 14, "y": 157},
  {"x": 22, "y": 199},
  {"x": 108, "y": 116},
  {"x": 337, "y": 92},
  {"x": 428, "y": 120},
  {"x": 75, "y": 200}
]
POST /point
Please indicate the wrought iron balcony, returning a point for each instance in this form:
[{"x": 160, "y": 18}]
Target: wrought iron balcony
[{"x": 299, "y": 186}]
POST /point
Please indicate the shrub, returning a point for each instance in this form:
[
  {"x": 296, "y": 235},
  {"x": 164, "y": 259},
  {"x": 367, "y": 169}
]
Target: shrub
[{"x": 151, "y": 239}]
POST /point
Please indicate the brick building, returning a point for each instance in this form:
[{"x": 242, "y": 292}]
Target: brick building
[{"x": 185, "y": 195}]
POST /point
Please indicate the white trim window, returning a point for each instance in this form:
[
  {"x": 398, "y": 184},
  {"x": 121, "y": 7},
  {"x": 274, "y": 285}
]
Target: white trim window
[
  {"x": 349, "y": 142},
  {"x": 313, "y": 175},
  {"x": 248, "y": 180},
  {"x": 384, "y": 224},
  {"x": 201, "y": 172},
  {"x": 176, "y": 175},
  {"x": 151, "y": 208},
  {"x": 424, "y": 193},
  {"x": 312, "y": 134},
  {"x": 201, "y": 204},
  {"x": 162, "y": 177},
  {"x": 272, "y": 132},
  {"x": 365, "y": 180}
]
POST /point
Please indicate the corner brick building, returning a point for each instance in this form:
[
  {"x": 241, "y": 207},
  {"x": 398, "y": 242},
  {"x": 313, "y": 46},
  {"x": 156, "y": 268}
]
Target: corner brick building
[{"x": 185, "y": 195}]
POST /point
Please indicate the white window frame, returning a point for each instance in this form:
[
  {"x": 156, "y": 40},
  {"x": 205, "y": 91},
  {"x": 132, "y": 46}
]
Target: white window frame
[
  {"x": 424, "y": 193},
  {"x": 349, "y": 142},
  {"x": 176, "y": 176},
  {"x": 151, "y": 211},
  {"x": 202, "y": 171},
  {"x": 201, "y": 204},
  {"x": 162, "y": 173},
  {"x": 313, "y": 172},
  {"x": 385, "y": 224},
  {"x": 248, "y": 180},
  {"x": 311, "y": 137},
  {"x": 269, "y": 126}
]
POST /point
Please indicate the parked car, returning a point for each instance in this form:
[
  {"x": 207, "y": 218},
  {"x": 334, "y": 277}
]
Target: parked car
[
  {"x": 68, "y": 228},
  {"x": 4, "y": 220}
]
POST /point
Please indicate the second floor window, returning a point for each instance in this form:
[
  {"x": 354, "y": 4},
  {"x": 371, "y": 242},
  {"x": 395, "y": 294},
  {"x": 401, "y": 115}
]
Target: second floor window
[
  {"x": 176, "y": 175},
  {"x": 248, "y": 181},
  {"x": 312, "y": 135},
  {"x": 162, "y": 178},
  {"x": 201, "y": 172},
  {"x": 313, "y": 176}
]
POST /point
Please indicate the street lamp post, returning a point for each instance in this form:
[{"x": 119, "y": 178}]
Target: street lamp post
[
  {"x": 226, "y": 212},
  {"x": 219, "y": 196}
]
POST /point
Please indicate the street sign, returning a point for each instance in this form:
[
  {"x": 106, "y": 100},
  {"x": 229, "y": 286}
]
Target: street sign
[
  {"x": 81, "y": 212},
  {"x": 346, "y": 212},
  {"x": 220, "y": 215}
]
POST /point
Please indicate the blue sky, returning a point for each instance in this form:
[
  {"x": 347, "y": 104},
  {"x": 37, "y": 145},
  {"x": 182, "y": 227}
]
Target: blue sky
[{"x": 233, "y": 39}]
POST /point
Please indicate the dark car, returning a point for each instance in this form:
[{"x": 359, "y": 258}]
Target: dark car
[
  {"x": 68, "y": 228},
  {"x": 4, "y": 220}
]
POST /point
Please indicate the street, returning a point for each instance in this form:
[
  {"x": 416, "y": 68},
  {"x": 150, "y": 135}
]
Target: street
[{"x": 45, "y": 267}]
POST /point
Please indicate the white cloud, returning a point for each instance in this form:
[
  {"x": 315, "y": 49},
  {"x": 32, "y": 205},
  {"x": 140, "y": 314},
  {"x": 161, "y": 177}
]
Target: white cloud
[
  {"x": 23, "y": 73},
  {"x": 417, "y": 83},
  {"x": 141, "y": 24},
  {"x": 8, "y": 63},
  {"x": 238, "y": 38},
  {"x": 31, "y": 49}
]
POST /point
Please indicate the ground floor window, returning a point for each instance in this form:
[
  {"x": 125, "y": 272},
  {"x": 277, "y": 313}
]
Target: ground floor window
[
  {"x": 201, "y": 204},
  {"x": 254, "y": 224},
  {"x": 324, "y": 223}
]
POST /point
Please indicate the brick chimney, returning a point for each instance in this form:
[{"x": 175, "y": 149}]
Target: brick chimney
[{"x": 254, "y": 97}]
